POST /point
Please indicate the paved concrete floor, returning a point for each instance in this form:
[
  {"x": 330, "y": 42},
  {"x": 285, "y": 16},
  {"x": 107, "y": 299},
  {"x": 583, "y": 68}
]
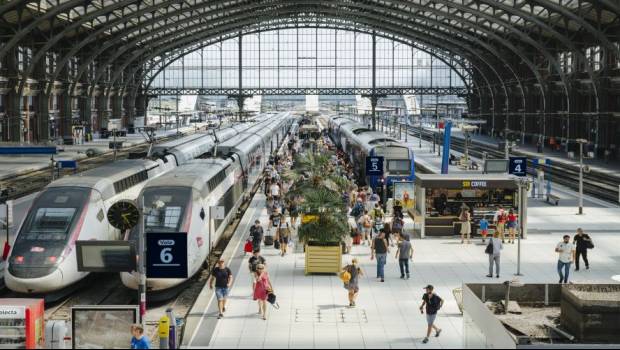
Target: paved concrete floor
[{"x": 313, "y": 312}]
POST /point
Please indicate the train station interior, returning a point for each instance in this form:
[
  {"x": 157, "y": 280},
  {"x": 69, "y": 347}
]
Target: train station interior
[{"x": 309, "y": 174}]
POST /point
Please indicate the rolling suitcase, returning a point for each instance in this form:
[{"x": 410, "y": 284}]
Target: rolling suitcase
[{"x": 268, "y": 240}]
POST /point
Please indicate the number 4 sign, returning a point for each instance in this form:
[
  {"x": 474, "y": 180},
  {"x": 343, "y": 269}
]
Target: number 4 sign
[
  {"x": 166, "y": 255},
  {"x": 518, "y": 166}
]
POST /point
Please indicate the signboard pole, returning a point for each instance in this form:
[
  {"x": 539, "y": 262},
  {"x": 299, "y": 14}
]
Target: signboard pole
[
  {"x": 446, "y": 148},
  {"x": 141, "y": 263}
]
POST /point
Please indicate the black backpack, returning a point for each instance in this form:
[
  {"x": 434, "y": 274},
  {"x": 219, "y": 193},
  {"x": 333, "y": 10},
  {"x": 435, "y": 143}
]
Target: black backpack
[{"x": 489, "y": 249}]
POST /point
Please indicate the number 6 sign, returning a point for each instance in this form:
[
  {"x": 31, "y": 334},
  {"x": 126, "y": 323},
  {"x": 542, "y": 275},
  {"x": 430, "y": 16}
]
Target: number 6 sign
[{"x": 166, "y": 255}]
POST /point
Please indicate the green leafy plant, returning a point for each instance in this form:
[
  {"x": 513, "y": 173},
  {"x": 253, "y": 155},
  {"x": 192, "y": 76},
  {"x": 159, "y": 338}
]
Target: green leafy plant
[{"x": 319, "y": 188}]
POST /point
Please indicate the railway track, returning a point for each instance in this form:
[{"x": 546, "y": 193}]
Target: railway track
[
  {"x": 595, "y": 184},
  {"x": 31, "y": 182}
]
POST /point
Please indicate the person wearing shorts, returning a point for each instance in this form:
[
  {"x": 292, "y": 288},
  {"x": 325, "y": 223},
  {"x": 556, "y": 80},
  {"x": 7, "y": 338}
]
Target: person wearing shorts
[
  {"x": 433, "y": 303},
  {"x": 512, "y": 226},
  {"x": 221, "y": 277}
]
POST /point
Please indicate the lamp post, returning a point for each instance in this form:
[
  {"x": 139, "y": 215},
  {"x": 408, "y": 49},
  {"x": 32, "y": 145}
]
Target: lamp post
[
  {"x": 522, "y": 183},
  {"x": 581, "y": 142}
]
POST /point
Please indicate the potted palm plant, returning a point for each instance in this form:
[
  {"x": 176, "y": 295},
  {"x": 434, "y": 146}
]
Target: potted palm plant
[{"x": 324, "y": 218}]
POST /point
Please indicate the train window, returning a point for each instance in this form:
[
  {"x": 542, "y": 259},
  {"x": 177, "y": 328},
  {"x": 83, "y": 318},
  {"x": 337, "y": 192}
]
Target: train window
[
  {"x": 169, "y": 217},
  {"x": 399, "y": 167}
]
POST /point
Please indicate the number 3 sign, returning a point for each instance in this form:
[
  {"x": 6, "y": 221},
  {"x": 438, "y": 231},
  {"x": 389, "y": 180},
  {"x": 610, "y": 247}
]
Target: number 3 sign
[{"x": 166, "y": 255}]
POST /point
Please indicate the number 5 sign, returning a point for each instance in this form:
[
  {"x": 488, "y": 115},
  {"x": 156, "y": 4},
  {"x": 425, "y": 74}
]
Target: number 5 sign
[
  {"x": 374, "y": 166},
  {"x": 166, "y": 255}
]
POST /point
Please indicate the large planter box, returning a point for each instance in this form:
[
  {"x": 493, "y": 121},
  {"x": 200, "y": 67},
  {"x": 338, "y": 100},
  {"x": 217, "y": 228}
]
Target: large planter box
[{"x": 326, "y": 259}]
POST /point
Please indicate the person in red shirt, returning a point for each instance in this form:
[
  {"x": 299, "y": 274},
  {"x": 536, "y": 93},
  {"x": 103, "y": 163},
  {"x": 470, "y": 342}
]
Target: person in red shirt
[{"x": 512, "y": 226}]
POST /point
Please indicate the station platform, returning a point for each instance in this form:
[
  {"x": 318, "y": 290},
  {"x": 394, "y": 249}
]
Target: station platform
[
  {"x": 557, "y": 157},
  {"x": 313, "y": 309},
  {"x": 11, "y": 166}
]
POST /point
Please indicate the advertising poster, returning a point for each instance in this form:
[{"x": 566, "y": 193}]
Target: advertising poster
[
  {"x": 404, "y": 192},
  {"x": 103, "y": 327}
]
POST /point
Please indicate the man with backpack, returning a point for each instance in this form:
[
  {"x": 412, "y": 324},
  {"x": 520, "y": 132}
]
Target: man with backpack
[
  {"x": 433, "y": 304},
  {"x": 377, "y": 217}
]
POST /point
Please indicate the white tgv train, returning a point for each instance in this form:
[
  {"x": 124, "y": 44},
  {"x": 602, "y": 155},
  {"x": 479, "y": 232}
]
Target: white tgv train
[
  {"x": 43, "y": 258},
  {"x": 191, "y": 189}
]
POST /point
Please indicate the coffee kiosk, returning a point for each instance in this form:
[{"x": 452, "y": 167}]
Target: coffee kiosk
[{"x": 440, "y": 198}]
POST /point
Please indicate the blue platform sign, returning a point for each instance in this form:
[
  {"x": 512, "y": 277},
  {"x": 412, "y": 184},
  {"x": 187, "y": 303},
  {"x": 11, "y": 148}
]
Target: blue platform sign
[
  {"x": 166, "y": 255},
  {"x": 518, "y": 166},
  {"x": 374, "y": 166},
  {"x": 67, "y": 164},
  {"x": 28, "y": 150}
]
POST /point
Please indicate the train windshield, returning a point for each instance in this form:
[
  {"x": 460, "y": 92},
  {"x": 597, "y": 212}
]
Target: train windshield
[
  {"x": 54, "y": 213},
  {"x": 399, "y": 166},
  {"x": 48, "y": 227},
  {"x": 165, "y": 208}
]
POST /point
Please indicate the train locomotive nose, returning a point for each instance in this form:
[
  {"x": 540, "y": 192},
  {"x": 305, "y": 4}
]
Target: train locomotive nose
[{"x": 49, "y": 282}]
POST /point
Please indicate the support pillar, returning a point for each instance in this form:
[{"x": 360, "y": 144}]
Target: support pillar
[
  {"x": 43, "y": 117},
  {"x": 64, "y": 115}
]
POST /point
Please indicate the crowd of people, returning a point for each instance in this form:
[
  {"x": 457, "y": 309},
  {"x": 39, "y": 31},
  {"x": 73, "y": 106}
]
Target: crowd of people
[{"x": 371, "y": 227}]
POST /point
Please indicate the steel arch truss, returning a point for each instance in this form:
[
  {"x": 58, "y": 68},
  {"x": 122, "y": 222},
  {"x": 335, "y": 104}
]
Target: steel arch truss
[{"x": 551, "y": 59}]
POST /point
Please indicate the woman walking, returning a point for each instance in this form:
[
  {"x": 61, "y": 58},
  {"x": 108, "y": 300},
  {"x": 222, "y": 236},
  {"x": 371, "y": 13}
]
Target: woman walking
[
  {"x": 512, "y": 226},
  {"x": 284, "y": 234},
  {"x": 262, "y": 288},
  {"x": 353, "y": 284},
  {"x": 465, "y": 218}
]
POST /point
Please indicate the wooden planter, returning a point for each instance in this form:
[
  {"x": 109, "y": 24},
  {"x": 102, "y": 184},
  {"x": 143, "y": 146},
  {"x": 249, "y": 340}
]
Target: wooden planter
[{"x": 323, "y": 259}]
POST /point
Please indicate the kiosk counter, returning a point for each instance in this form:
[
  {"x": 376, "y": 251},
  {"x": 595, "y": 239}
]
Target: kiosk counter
[{"x": 440, "y": 198}]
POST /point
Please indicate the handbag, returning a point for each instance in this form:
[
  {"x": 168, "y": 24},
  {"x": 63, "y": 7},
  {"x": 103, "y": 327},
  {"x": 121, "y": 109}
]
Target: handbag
[
  {"x": 590, "y": 244},
  {"x": 345, "y": 276},
  {"x": 271, "y": 299},
  {"x": 276, "y": 244}
]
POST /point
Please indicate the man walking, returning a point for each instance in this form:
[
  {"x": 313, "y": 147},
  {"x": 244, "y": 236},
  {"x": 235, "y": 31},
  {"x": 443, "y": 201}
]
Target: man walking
[
  {"x": 404, "y": 253},
  {"x": 380, "y": 250},
  {"x": 433, "y": 304},
  {"x": 256, "y": 232},
  {"x": 566, "y": 252},
  {"x": 583, "y": 242},
  {"x": 222, "y": 277}
]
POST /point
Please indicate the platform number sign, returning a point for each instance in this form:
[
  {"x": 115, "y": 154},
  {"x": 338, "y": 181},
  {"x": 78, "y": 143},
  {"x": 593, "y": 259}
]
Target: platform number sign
[
  {"x": 374, "y": 166},
  {"x": 518, "y": 166},
  {"x": 166, "y": 255}
]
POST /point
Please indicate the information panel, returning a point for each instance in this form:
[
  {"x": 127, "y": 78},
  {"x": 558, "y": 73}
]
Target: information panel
[
  {"x": 518, "y": 166},
  {"x": 374, "y": 166},
  {"x": 166, "y": 255}
]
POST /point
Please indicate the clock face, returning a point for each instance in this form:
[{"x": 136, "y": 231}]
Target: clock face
[{"x": 123, "y": 215}]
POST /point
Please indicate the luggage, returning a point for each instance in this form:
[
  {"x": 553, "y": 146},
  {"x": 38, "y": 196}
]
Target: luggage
[
  {"x": 268, "y": 240},
  {"x": 248, "y": 247}
]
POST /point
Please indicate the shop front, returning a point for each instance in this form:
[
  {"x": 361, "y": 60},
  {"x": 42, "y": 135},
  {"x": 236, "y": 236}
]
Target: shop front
[{"x": 441, "y": 198}]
